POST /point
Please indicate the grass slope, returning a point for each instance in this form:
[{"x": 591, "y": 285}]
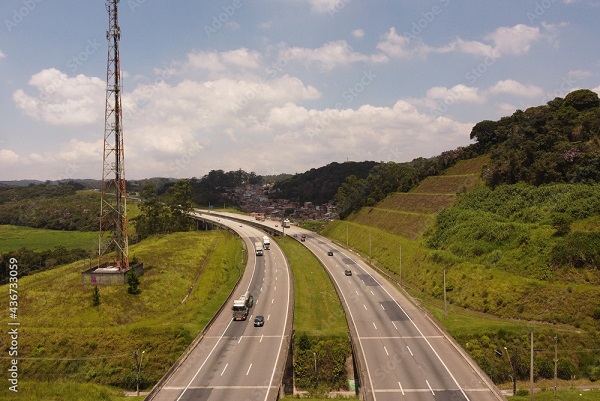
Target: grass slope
[
  {"x": 498, "y": 279},
  {"x": 63, "y": 337}
]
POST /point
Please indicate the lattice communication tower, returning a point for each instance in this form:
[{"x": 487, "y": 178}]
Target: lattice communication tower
[{"x": 113, "y": 207}]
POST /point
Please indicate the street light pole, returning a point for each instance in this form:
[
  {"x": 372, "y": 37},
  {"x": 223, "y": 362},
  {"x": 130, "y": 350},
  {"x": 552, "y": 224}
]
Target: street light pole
[
  {"x": 138, "y": 368},
  {"x": 514, "y": 374}
]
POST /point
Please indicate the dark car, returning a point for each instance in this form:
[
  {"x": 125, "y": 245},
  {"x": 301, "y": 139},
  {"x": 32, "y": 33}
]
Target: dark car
[
  {"x": 348, "y": 272},
  {"x": 330, "y": 253},
  {"x": 259, "y": 321}
]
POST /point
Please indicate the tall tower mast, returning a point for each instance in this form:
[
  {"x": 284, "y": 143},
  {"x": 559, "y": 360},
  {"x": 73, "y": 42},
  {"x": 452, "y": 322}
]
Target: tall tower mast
[{"x": 113, "y": 206}]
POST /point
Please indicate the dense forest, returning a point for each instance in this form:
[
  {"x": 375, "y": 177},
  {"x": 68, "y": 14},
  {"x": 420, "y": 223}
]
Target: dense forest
[{"x": 319, "y": 185}]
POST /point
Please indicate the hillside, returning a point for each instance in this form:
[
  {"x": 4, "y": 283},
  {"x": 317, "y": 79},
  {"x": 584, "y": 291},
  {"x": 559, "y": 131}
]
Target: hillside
[
  {"x": 409, "y": 214},
  {"x": 522, "y": 251}
]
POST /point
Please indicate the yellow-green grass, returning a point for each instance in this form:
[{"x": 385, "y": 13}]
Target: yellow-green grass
[
  {"x": 470, "y": 166},
  {"x": 13, "y": 238},
  {"x": 446, "y": 184},
  {"x": 317, "y": 309},
  {"x": 71, "y": 340},
  {"x": 409, "y": 225},
  {"x": 66, "y": 391},
  {"x": 561, "y": 395},
  {"x": 416, "y": 203}
]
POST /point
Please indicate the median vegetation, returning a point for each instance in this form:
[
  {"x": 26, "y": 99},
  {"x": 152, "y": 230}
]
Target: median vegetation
[{"x": 320, "y": 328}]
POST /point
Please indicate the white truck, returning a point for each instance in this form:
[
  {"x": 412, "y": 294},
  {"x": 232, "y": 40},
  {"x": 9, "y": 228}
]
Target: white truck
[
  {"x": 258, "y": 247},
  {"x": 286, "y": 223},
  {"x": 266, "y": 243},
  {"x": 241, "y": 306}
]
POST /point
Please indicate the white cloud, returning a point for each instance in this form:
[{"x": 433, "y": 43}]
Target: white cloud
[
  {"x": 2, "y": 55},
  {"x": 503, "y": 41},
  {"x": 513, "y": 40},
  {"x": 579, "y": 74},
  {"x": 398, "y": 46},
  {"x": 220, "y": 61},
  {"x": 512, "y": 87},
  {"x": 358, "y": 33},
  {"x": 457, "y": 94},
  {"x": 330, "y": 55},
  {"x": 8, "y": 157},
  {"x": 63, "y": 100},
  {"x": 326, "y": 6}
]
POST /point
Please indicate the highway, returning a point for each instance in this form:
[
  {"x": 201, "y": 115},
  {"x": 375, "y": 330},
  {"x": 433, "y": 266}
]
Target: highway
[
  {"x": 234, "y": 360},
  {"x": 404, "y": 355}
]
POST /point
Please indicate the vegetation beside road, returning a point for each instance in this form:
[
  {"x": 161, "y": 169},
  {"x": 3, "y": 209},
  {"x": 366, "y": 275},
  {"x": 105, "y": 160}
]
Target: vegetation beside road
[
  {"x": 319, "y": 325},
  {"x": 506, "y": 254},
  {"x": 69, "y": 340}
]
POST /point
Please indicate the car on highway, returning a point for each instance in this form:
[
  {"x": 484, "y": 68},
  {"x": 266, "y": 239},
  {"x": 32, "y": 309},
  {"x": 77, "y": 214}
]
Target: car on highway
[
  {"x": 348, "y": 272},
  {"x": 330, "y": 253},
  {"x": 259, "y": 321}
]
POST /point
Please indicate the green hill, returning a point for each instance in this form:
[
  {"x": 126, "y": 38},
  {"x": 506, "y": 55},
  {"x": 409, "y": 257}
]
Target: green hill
[{"x": 522, "y": 252}]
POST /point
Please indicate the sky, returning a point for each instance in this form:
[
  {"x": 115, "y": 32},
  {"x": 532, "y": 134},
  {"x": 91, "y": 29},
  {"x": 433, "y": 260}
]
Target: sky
[{"x": 277, "y": 86}]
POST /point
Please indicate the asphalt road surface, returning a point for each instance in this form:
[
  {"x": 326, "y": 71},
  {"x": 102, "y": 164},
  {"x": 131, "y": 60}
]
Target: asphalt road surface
[
  {"x": 405, "y": 354},
  {"x": 236, "y": 361}
]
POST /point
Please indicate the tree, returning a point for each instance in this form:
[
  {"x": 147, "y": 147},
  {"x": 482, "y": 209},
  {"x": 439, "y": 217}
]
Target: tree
[
  {"x": 134, "y": 282},
  {"x": 96, "y": 297},
  {"x": 582, "y": 99}
]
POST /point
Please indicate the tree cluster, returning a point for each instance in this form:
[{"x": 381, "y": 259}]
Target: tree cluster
[
  {"x": 165, "y": 214},
  {"x": 217, "y": 186},
  {"x": 557, "y": 142},
  {"x": 35, "y": 261},
  {"x": 319, "y": 185}
]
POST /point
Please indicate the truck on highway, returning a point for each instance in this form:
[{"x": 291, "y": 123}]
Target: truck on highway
[
  {"x": 286, "y": 223},
  {"x": 266, "y": 243},
  {"x": 258, "y": 247},
  {"x": 241, "y": 306}
]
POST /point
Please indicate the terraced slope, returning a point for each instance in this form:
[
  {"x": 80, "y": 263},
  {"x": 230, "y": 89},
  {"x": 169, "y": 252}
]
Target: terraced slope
[{"x": 409, "y": 214}]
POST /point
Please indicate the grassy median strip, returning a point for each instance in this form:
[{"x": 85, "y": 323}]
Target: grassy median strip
[{"x": 321, "y": 331}]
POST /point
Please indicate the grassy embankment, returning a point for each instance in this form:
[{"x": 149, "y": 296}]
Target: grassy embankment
[
  {"x": 66, "y": 341},
  {"x": 495, "y": 289},
  {"x": 319, "y": 324}
]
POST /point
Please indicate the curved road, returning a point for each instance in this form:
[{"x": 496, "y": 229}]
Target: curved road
[{"x": 236, "y": 361}]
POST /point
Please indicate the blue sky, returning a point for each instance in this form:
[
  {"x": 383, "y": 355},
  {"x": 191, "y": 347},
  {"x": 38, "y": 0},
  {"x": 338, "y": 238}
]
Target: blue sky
[{"x": 276, "y": 86}]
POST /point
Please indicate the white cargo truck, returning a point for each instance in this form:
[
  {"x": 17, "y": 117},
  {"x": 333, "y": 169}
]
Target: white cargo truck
[
  {"x": 258, "y": 246},
  {"x": 266, "y": 243}
]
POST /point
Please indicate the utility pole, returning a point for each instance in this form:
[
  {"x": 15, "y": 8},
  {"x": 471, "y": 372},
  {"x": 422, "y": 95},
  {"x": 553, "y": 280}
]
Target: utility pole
[
  {"x": 346, "y": 234},
  {"x": 445, "y": 311},
  {"x": 400, "y": 280},
  {"x": 531, "y": 368},
  {"x": 369, "y": 247},
  {"x": 137, "y": 358},
  {"x": 555, "y": 362},
  {"x": 512, "y": 369}
]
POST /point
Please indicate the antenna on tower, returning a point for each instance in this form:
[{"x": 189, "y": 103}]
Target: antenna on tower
[{"x": 113, "y": 206}]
